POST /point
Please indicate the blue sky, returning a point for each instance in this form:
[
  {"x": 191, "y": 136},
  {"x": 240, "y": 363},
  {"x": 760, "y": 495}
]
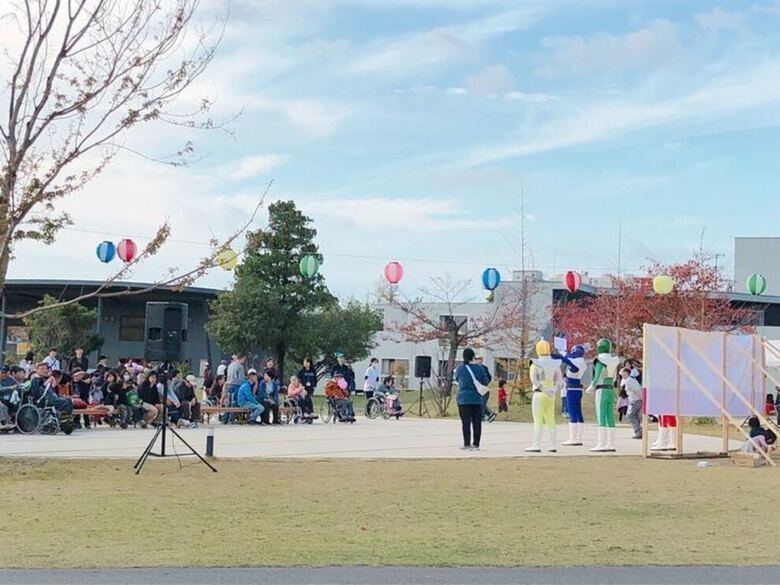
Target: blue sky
[{"x": 407, "y": 129}]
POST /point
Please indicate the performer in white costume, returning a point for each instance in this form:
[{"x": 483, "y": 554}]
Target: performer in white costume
[{"x": 546, "y": 380}]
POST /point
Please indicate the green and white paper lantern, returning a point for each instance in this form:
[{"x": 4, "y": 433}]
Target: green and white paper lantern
[
  {"x": 309, "y": 265},
  {"x": 756, "y": 284}
]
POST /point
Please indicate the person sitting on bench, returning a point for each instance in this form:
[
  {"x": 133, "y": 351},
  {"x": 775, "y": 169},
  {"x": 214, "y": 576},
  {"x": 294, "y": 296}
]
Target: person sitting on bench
[{"x": 247, "y": 398}]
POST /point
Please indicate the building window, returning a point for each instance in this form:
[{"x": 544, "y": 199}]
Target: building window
[
  {"x": 399, "y": 369},
  {"x": 461, "y": 320},
  {"x": 131, "y": 328},
  {"x": 505, "y": 368}
]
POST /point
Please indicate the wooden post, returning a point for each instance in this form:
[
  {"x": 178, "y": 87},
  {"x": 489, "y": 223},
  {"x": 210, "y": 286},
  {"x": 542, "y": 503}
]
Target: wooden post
[
  {"x": 677, "y": 395},
  {"x": 707, "y": 394},
  {"x": 751, "y": 408},
  {"x": 645, "y": 419},
  {"x": 753, "y": 370},
  {"x": 723, "y": 390}
]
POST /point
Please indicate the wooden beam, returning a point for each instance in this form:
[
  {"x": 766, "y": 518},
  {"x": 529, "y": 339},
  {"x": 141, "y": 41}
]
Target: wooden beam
[
  {"x": 723, "y": 392},
  {"x": 678, "y": 395}
]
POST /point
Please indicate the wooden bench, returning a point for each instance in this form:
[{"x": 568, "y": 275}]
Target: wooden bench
[
  {"x": 208, "y": 411},
  {"x": 91, "y": 411}
]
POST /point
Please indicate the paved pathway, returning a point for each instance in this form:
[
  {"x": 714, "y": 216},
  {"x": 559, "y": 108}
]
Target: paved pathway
[
  {"x": 408, "y": 438},
  {"x": 707, "y": 575}
]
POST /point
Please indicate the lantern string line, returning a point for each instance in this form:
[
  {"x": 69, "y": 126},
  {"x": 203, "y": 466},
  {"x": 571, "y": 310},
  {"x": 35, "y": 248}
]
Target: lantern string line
[{"x": 354, "y": 256}]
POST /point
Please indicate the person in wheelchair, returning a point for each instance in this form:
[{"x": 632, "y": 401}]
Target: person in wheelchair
[
  {"x": 389, "y": 395},
  {"x": 298, "y": 395},
  {"x": 43, "y": 391},
  {"x": 337, "y": 390}
]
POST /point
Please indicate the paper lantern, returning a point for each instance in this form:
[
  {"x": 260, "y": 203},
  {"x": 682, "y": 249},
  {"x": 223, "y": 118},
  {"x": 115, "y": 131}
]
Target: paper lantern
[
  {"x": 663, "y": 284},
  {"x": 394, "y": 272},
  {"x": 572, "y": 281},
  {"x": 756, "y": 284},
  {"x": 106, "y": 251},
  {"x": 309, "y": 265},
  {"x": 126, "y": 250},
  {"x": 228, "y": 259},
  {"x": 491, "y": 278}
]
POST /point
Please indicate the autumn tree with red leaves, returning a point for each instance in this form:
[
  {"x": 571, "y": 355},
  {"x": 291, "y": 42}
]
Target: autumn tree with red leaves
[
  {"x": 434, "y": 316},
  {"x": 699, "y": 301}
]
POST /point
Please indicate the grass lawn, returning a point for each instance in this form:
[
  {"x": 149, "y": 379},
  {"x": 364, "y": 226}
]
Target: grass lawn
[{"x": 439, "y": 512}]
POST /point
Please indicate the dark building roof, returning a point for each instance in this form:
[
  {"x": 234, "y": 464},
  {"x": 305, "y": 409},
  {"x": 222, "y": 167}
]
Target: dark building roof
[{"x": 22, "y": 283}]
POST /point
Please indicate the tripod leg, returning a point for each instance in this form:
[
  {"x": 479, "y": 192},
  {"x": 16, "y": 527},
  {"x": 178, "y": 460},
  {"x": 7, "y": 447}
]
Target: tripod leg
[
  {"x": 178, "y": 436},
  {"x": 145, "y": 454}
]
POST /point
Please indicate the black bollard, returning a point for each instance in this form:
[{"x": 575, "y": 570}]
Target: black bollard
[{"x": 210, "y": 443}]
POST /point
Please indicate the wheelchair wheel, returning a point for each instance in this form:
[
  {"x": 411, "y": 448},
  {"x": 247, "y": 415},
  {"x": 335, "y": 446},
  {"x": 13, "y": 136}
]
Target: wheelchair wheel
[
  {"x": 28, "y": 417},
  {"x": 373, "y": 408},
  {"x": 386, "y": 414},
  {"x": 326, "y": 412}
]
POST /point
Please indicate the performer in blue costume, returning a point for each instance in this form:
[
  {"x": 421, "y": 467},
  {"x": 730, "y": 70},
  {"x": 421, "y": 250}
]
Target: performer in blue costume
[{"x": 575, "y": 370}]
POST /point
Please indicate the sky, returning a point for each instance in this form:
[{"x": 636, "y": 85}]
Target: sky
[{"x": 408, "y": 130}]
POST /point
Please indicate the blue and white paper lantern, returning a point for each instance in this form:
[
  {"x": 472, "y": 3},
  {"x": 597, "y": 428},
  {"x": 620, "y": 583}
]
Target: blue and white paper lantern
[
  {"x": 106, "y": 251},
  {"x": 491, "y": 278}
]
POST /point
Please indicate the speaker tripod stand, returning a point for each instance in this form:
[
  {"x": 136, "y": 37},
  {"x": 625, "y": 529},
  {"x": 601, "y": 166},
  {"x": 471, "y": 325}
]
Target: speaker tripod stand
[
  {"x": 420, "y": 404},
  {"x": 164, "y": 428}
]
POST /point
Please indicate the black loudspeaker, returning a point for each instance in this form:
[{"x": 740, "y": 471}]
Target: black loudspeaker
[
  {"x": 166, "y": 331},
  {"x": 422, "y": 366}
]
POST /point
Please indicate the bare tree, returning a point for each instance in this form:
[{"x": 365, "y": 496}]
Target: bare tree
[
  {"x": 437, "y": 314},
  {"x": 82, "y": 75}
]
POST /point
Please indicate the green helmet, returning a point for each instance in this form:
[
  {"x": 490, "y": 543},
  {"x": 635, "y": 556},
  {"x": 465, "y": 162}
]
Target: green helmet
[{"x": 603, "y": 345}]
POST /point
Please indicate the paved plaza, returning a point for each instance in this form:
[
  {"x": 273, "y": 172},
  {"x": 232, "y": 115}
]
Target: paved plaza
[{"x": 409, "y": 438}]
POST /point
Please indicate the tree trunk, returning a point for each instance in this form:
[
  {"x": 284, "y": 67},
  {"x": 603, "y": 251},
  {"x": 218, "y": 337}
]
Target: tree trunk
[{"x": 281, "y": 353}]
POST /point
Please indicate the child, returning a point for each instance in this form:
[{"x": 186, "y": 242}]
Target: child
[
  {"x": 502, "y": 405},
  {"x": 758, "y": 438},
  {"x": 622, "y": 404}
]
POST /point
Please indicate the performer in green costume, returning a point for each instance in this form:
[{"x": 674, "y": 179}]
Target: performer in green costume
[{"x": 604, "y": 371}]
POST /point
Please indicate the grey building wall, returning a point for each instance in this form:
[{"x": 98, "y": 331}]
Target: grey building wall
[{"x": 757, "y": 255}]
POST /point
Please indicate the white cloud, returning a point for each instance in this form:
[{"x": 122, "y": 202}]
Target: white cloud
[
  {"x": 456, "y": 91},
  {"x": 597, "y": 122},
  {"x": 438, "y": 47},
  {"x": 492, "y": 80},
  {"x": 521, "y": 96},
  {"x": 658, "y": 42},
  {"x": 399, "y": 214},
  {"x": 717, "y": 20},
  {"x": 252, "y": 166}
]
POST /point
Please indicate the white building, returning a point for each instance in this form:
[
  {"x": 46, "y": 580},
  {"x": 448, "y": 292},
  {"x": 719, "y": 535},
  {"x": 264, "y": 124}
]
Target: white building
[{"x": 397, "y": 357}]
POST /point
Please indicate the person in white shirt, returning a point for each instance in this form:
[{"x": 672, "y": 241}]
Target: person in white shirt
[
  {"x": 371, "y": 378},
  {"x": 634, "y": 391},
  {"x": 222, "y": 368},
  {"x": 52, "y": 361}
]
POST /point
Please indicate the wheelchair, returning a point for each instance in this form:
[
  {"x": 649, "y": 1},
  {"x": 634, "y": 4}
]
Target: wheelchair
[
  {"x": 291, "y": 412},
  {"x": 329, "y": 411},
  {"x": 31, "y": 418},
  {"x": 376, "y": 406}
]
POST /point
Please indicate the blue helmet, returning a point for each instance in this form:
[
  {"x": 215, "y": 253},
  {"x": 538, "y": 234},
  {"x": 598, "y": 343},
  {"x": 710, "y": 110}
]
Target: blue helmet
[{"x": 577, "y": 352}]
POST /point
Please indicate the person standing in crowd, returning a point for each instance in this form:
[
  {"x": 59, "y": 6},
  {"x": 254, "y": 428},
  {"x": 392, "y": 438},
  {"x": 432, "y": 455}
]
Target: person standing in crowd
[
  {"x": 27, "y": 363},
  {"x": 222, "y": 368},
  {"x": 633, "y": 390},
  {"x": 469, "y": 399},
  {"x": 235, "y": 376},
  {"x": 79, "y": 361},
  {"x": 270, "y": 366},
  {"x": 371, "y": 378},
  {"x": 308, "y": 376},
  {"x": 502, "y": 404},
  {"x": 344, "y": 370},
  {"x": 208, "y": 376},
  {"x": 52, "y": 361}
]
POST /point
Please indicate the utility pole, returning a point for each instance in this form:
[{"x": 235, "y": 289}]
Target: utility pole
[{"x": 619, "y": 282}]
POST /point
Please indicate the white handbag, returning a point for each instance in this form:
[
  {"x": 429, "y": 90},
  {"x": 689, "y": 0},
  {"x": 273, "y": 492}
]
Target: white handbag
[{"x": 481, "y": 388}]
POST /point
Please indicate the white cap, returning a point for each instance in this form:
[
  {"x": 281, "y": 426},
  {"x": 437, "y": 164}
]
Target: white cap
[
  {"x": 190, "y": 378},
  {"x": 251, "y": 371}
]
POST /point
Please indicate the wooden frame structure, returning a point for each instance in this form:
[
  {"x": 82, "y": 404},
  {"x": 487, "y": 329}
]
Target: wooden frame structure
[{"x": 718, "y": 399}]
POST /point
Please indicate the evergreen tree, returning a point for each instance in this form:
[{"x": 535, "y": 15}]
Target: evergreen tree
[
  {"x": 270, "y": 297},
  {"x": 65, "y": 327}
]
